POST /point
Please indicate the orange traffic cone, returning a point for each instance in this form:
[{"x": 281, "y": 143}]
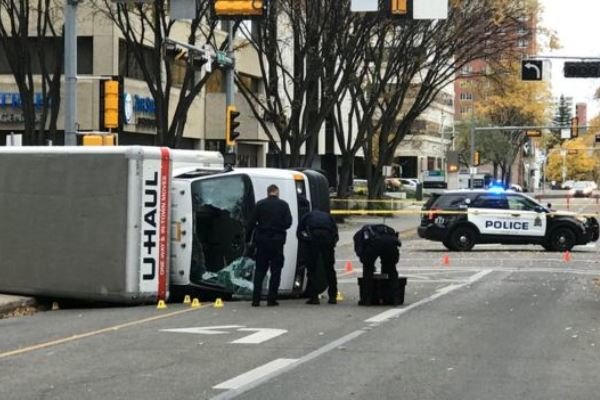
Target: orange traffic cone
[
  {"x": 446, "y": 259},
  {"x": 349, "y": 266},
  {"x": 567, "y": 256}
]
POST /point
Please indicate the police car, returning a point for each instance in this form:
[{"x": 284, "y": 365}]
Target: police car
[{"x": 461, "y": 219}]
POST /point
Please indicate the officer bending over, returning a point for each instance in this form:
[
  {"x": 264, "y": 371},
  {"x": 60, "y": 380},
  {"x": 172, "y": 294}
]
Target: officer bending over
[
  {"x": 319, "y": 234},
  {"x": 372, "y": 242}
]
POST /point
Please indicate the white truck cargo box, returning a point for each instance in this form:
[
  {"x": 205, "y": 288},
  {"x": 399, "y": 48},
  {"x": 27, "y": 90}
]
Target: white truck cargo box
[{"x": 89, "y": 222}]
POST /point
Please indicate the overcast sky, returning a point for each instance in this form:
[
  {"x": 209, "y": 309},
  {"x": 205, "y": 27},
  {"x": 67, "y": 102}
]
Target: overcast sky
[{"x": 577, "y": 23}]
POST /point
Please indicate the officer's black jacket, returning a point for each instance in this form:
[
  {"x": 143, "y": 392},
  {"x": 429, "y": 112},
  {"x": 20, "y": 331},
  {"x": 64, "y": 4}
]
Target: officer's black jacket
[
  {"x": 273, "y": 218},
  {"x": 375, "y": 232},
  {"x": 314, "y": 221}
]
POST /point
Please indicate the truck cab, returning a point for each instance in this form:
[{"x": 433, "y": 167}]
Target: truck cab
[{"x": 212, "y": 217}]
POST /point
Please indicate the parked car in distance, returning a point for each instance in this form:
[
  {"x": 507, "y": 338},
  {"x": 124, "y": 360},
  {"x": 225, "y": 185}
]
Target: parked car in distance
[
  {"x": 359, "y": 186},
  {"x": 583, "y": 189},
  {"x": 515, "y": 188},
  {"x": 393, "y": 184},
  {"x": 409, "y": 184},
  {"x": 566, "y": 185}
]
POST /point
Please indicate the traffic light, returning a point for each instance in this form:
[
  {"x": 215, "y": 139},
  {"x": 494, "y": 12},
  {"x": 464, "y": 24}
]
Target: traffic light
[
  {"x": 574, "y": 127},
  {"x": 476, "y": 159},
  {"x": 452, "y": 161},
  {"x": 231, "y": 125},
  {"x": 582, "y": 69},
  {"x": 170, "y": 49},
  {"x": 239, "y": 8},
  {"x": 398, "y": 7},
  {"x": 111, "y": 104}
]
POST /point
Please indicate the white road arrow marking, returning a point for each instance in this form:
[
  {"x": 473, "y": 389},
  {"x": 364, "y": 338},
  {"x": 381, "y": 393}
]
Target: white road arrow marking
[
  {"x": 206, "y": 330},
  {"x": 261, "y": 335},
  {"x": 538, "y": 71}
]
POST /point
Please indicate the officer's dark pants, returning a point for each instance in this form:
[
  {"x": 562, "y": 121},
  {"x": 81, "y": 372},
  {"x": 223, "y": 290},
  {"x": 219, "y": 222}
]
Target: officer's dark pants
[
  {"x": 269, "y": 255},
  {"x": 326, "y": 252},
  {"x": 388, "y": 252}
]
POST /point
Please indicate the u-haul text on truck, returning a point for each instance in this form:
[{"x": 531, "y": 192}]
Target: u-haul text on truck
[{"x": 134, "y": 224}]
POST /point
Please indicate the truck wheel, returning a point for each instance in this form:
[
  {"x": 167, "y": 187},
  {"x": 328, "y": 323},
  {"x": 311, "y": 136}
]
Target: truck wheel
[
  {"x": 463, "y": 238},
  {"x": 562, "y": 239}
]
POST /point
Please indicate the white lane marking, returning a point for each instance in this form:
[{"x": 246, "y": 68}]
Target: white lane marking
[
  {"x": 274, "y": 372},
  {"x": 233, "y": 393},
  {"x": 353, "y": 281},
  {"x": 386, "y": 315},
  {"x": 261, "y": 335},
  {"x": 204, "y": 330},
  {"x": 255, "y": 374}
]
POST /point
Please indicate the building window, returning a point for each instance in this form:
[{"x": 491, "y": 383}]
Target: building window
[
  {"x": 466, "y": 96},
  {"x": 251, "y": 83},
  {"x": 466, "y": 69},
  {"x": 51, "y": 49},
  {"x": 129, "y": 66},
  {"x": 430, "y": 163},
  {"x": 522, "y": 43}
]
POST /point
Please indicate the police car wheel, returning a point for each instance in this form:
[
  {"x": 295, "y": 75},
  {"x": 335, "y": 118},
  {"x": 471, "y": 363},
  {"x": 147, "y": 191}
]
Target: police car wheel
[
  {"x": 462, "y": 239},
  {"x": 562, "y": 239}
]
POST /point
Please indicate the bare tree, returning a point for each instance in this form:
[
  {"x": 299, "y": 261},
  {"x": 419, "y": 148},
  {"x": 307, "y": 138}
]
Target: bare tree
[
  {"x": 424, "y": 57},
  {"x": 144, "y": 28},
  {"x": 35, "y": 61},
  {"x": 298, "y": 46}
]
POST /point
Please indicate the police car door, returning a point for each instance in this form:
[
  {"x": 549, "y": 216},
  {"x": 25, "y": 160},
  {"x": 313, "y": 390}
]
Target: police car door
[
  {"x": 526, "y": 220},
  {"x": 490, "y": 214}
]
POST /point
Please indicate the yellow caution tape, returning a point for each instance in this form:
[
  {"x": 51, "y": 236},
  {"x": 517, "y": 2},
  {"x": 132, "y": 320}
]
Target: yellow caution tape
[{"x": 442, "y": 212}]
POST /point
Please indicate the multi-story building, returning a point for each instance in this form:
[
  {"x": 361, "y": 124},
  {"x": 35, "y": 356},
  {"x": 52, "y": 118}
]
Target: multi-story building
[{"x": 102, "y": 51}]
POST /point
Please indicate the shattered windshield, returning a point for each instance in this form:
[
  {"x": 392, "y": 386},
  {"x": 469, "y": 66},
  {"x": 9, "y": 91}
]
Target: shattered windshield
[{"x": 223, "y": 209}]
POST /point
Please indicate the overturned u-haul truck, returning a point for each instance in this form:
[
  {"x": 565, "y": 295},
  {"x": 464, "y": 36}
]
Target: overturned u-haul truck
[{"x": 131, "y": 224}]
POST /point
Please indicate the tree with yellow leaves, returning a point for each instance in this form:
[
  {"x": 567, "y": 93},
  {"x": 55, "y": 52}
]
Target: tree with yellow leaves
[
  {"x": 506, "y": 100},
  {"x": 582, "y": 159}
]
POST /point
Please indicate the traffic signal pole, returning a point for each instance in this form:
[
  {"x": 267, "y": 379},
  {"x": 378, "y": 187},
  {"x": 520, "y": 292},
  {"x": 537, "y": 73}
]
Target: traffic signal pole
[
  {"x": 70, "y": 31},
  {"x": 230, "y": 88}
]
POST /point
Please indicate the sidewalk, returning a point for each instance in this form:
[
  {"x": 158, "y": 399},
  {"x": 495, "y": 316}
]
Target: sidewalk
[{"x": 10, "y": 304}]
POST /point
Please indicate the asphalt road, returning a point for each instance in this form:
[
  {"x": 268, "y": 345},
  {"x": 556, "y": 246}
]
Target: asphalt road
[{"x": 500, "y": 322}]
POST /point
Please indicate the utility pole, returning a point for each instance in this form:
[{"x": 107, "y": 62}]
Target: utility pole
[{"x": 70, "y": 31}]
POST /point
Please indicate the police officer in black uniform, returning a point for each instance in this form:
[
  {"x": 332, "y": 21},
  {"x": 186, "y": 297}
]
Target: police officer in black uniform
[
  {"x": 273, "y": 218},
  {"x": 372, "y": 242},
  {"x": 319, "y": 234}
]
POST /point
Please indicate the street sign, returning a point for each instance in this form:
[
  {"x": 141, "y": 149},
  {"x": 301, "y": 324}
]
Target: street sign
[
  {"x": 364, "y": 5},
  {"x": 533, "y": 133},
  {"x": 565, "y": 133},
  {"x": 532, "y": 70},
  {"x": 430, "y": 9},
  {"x": 582, "y": 69},
  {"x": 183, "y": 9},
  {"x": 222, "y": 59}
]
